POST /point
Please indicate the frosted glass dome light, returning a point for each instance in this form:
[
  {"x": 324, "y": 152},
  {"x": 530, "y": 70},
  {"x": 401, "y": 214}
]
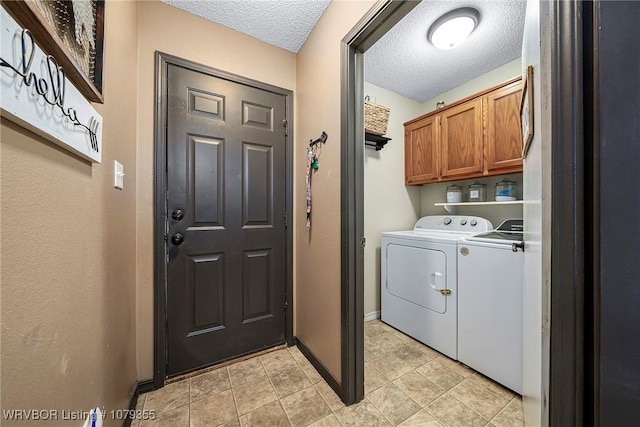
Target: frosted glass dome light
[{"x": 453, "y": 28}]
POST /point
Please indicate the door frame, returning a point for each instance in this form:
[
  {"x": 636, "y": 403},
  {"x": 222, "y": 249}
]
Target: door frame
[
  {"x": 378, "y": 20},
  {"x": 160, "y": 236}
]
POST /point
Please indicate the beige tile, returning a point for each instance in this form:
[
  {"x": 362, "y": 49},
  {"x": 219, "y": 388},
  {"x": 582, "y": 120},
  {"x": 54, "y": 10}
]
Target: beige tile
[
  {"x": 393, "y": 403},
  {"x": 174, "y": 418},
  {"x": 213, "y": 410},
  {"x": 246, "y": 371},
  {"x": 453, "y": 413},
  {"x": 288, "y": 381},
  {"x": 389, "y": 340},
  {"x": 419, "y": 388},
  {"x": 373, "y": 350},
  {"x": 373, "y": 379},
  {"x": 386, "y": 327},
  {"x": 253, "y": 395},
  {"x": 271, "y": 415},
  {"x": 311, "y": 373},
  {"x": 492, "y": 386},
  {"x": 373, "y": 328},
  {"x": 232, "y": 423},
  {"x": 511, "y": 415},
  {"x": 412, "y": 356},
  {"x": 361, "y": 414},
  {"x": 456, "y": 366},
  {"x": 168, "y": 397},
  {"x": 424, "y": 349},
  {"x": 208, "y": 383},
  {"x": 439, "y": 374},
  {"x": 305, "y": 407},
  {"x": 141, "y": 399},
  {"x": 278, "y": 361},
  {"x": 329, "y": 396},
  {"x": 329, "y": 421},
  {"x": 297, "y": 354},
  {"x": 478, "y": 398},
  {"x": 406, "y": 339},
  {"x": 422, "y": 419},
  {"x": 391, "y": 366}
]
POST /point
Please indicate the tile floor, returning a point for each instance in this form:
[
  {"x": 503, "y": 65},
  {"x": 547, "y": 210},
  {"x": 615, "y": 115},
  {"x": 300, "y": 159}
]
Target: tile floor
[{"x": 406, "y": 384}]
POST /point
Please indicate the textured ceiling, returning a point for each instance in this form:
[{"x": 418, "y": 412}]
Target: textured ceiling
[
  {"x": 406, "y": 63},
  {"x": 283, "y": 23}
]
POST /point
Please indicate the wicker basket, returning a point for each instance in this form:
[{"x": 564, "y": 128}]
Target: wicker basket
[{"x": 376, "y": 118}]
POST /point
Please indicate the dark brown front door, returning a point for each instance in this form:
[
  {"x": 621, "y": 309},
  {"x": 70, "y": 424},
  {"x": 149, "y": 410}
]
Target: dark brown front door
[{"x": 226, "y": 201}]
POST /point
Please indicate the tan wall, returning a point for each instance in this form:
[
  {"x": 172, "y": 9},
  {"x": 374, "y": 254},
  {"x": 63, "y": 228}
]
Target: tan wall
[
  {"x": 170, "y": 30},
  {"x": 68, "y": 265},
  {"x": 389, "y": 205},
  {"x": 496, "y": 76},
  {"x": 317, "y": 297}
]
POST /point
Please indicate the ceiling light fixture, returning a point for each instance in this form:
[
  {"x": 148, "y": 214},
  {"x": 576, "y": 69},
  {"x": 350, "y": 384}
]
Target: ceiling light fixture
[{"x": 453, "y": 28}]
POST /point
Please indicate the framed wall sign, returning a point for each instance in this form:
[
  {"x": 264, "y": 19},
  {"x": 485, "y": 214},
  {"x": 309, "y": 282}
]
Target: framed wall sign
[
  {"x": 38, "y": 95},
  {"x": 526, "y": 111},
  {"x": 70, "y": 31}
]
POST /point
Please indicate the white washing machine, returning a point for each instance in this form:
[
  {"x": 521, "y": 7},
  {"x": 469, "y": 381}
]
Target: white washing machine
[
  {"x": 490, "y": 306},
  {"x": 419, "y": 278}
]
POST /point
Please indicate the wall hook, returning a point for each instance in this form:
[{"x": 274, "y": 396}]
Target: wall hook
[{"x": 321, "y": 140}]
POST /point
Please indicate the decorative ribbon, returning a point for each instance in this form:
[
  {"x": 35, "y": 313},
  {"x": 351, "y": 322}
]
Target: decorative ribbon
[{"x": 310, "y": 160}]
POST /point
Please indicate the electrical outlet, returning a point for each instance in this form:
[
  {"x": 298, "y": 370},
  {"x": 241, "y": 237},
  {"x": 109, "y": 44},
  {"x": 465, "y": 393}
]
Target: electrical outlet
[{"x": 118, "y": 175}]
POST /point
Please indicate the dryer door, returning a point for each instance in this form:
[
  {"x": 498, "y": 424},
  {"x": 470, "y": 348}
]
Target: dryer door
[{"x": 418, "y": 275}]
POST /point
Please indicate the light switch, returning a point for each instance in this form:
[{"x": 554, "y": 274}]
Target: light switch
[{"x": 118, "y": 174}]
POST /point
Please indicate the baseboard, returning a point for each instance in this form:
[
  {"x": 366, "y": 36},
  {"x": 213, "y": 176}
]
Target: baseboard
[
  {"x": 372, "y": 316},
  {"x": 141, "y": 387},
  {"x": 322, "y": 370},
  {"x": 145, "y": 386}
]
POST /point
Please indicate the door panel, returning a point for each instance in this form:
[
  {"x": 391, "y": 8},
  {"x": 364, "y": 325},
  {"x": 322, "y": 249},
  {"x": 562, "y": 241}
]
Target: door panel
[
  {"x": 257, "y": 186},
  {"x": 256, "y": 270},
  {"x": 226, "y": 170},
  {"x": 462, "y": 139},
  {"x": 421, "y": 151},
  {"x": 417, "y": 275},
  {"x": 206, "y": 276},
  {"x": 206, "y": 176},
  {"x": 504, "y": 130}
]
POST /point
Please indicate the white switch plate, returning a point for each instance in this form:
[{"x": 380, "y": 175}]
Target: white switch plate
[{"x": 118, "y": 174}]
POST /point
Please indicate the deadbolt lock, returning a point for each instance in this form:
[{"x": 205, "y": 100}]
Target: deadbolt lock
[{"x": 445, "y": 291}]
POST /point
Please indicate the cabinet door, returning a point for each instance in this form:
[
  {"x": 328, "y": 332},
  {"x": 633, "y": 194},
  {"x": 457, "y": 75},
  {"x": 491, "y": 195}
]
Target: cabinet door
[
  {"x": 504, "y": 130},
  {"x": 461, "y": 140},
  {"x": 421, "y": 151}
]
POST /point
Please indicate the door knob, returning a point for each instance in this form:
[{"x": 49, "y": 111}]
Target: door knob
[
  {"x": 177, "y": 214},
  {"x": 177, "y": 239}
]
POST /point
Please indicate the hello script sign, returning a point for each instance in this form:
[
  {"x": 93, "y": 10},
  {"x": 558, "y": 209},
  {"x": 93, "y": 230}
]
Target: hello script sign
[{"x": 35, "y": 93}]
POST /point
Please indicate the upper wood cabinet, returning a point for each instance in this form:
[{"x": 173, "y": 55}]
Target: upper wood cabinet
[
  {"x": 478, "y": 136},
  {"x": 461, "y": 139},
  {"x": 504, "y": 130},
  {"x": 421, "y": 141}
]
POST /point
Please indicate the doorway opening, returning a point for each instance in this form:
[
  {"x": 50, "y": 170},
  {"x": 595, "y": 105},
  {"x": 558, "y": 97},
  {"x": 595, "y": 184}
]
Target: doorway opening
[{"x": 560, "y": 27}]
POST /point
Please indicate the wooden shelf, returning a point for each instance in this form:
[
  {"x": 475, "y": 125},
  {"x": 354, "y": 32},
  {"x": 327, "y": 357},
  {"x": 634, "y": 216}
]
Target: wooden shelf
[{"x": 451, "y": 207}]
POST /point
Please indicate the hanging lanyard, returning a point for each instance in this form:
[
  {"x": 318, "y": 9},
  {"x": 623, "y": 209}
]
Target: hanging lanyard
[
  {"x": 310, "y": 159},
  {"x": 313, "y": 163}
]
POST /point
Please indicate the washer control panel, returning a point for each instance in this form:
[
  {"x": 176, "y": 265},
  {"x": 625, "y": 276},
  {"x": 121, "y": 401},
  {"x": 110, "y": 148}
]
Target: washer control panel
[{"x": 454, "y": 223}]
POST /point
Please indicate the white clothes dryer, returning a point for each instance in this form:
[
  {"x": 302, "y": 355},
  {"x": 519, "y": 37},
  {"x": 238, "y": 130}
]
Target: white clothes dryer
[{"x": 419, "y": 278}]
